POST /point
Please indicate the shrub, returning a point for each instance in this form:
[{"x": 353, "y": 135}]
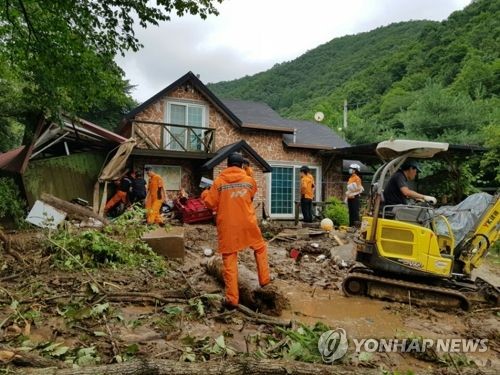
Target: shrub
[
  {"x": 12, "y": 206},
  {"x": 337, "y": 211}
]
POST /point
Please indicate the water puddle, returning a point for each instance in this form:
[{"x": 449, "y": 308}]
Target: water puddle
[{"x": 360, "y": 317}]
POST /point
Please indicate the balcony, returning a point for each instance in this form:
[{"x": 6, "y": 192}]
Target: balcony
[{"x": 163, "y": 138}]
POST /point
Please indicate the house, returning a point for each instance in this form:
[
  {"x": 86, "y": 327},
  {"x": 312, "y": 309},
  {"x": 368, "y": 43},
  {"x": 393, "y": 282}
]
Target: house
[
  {"x": 185, "y": 132},
  {"x": 64, "y": 159}
]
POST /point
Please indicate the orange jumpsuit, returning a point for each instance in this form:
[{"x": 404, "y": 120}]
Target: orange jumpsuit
[
  {"x": 119, "y": 196},
  {"x": 248, "y": 171},
  {"x": 154, "y": 199},
  {"x": 231, "y": 195}
]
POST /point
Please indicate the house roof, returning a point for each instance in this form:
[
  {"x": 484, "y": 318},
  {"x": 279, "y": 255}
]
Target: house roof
[
  {"x": 313, "y": 135},
  {"x": 189, "y": 77},
  {"x": 224, "y": 152},
  {"x": 256, "y": 115},
  {"x": 50, "y": 134},
  {"x": 308, "y": 134}
]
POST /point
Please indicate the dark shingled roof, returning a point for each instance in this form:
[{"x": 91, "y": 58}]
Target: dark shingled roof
[
  {"x": 255, "y": 113},
  {"x": 309, "y": 134},
  {"x": 224, "y": 152},
  {"x": 313, "y": 135}
]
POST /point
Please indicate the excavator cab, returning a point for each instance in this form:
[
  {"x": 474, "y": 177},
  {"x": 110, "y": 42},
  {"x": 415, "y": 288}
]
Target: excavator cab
[
  {"x": 405, "y": 239},
  {"x": 412, "y": 248}
]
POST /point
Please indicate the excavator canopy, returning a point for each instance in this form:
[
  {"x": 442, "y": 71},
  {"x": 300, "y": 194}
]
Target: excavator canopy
[{"x": 388, "y": 150}]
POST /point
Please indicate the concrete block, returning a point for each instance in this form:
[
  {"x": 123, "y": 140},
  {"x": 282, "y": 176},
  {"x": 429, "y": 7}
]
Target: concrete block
[{"x": 168, "y": 243}]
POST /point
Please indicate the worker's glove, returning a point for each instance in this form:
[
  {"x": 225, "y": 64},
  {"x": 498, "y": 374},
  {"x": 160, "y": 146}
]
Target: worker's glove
[{"x": 430, "y": 199}]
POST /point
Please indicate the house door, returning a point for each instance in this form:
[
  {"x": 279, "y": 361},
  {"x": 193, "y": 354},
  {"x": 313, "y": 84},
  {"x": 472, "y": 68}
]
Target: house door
[{"x": 285, "y": 190}]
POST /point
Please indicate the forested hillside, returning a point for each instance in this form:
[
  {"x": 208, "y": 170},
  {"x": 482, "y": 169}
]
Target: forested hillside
[{"x": 419, "y": 79}]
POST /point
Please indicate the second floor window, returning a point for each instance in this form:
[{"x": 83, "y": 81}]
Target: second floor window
[{"x": 187, "y": 115}]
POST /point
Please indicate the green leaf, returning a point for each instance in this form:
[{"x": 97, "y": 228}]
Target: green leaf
[
  {"x": 221, "y": 342},
  {"x": 94, "y": 288},
  {"x": 173, "y": 310},
  {"x": 100, "y": 334},
  {"x": 365, "y": 356},
  {"x": 59, "y": 351},
  {"x": 296, "y": 350},
  {"x": 14, "y": 304},
  {"x": 100, "y": 308},
  {"x": 132, "y": 349}
]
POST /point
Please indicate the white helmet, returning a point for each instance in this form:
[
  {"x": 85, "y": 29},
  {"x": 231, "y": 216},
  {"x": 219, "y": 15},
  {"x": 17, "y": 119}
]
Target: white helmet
[{"x": 355, "y": 166}]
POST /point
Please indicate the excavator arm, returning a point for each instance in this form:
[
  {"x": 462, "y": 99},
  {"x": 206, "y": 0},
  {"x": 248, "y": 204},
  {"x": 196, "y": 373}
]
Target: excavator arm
[{"x": 474, "y": 247}]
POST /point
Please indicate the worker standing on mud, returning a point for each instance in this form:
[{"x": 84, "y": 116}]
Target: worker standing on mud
[
  {"x": 155, "y": 197},
  {"x": 231, "y": 196},
  {"x": 306, "y": 193},
  {"x": 248, "y": 169},
  {"x": 354, "y": 189},
  {"x": 397, "y": 190}
]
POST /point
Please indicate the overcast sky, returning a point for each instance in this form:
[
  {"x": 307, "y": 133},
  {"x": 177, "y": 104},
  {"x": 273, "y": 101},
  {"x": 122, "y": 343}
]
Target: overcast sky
[{"x": 250, "y": 36}]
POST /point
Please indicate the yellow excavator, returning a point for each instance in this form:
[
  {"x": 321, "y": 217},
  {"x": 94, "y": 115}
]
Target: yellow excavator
[{"x": 410, "y": 253}]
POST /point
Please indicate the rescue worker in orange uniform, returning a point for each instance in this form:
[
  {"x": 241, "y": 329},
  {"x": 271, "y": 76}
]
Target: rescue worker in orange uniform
[
  {"x": 306, "y": 193},
  {"x": 248, "y": 169},
  {"x": 231, "y": 195},
  {"x": 354, "y": 189},
  {"x": 121, "y": 195},
  {"x": 155, "y": 197}
]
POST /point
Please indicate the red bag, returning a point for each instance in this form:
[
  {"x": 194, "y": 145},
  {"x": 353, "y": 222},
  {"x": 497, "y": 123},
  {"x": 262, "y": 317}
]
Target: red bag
[{"x": 192, "y": 210}]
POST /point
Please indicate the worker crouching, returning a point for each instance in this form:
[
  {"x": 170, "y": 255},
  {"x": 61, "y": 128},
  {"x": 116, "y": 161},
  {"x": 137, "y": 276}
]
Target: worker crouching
[{"x": 231, "y": 196}]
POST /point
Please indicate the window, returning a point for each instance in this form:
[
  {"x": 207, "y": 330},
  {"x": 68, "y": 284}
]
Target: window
[
  {"x": 285, "y": 189},
  {"x": 282, "y": 191},
  {"x": 171, "y": 175},
  {"x": 181, "y": 138}
]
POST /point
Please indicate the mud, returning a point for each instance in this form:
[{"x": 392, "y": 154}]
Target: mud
[{"x": 311, "y": 284}]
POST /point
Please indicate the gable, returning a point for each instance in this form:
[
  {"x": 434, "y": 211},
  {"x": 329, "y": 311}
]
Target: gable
[
  {"x": 225, "y": 151},
  {"x": 188, "y": 82}
]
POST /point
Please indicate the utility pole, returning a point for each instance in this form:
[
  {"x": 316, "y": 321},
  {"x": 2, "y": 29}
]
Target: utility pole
[{"x": 345, "y": 114}]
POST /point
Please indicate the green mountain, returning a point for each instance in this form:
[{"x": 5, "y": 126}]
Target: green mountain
[
  {"x": 419, "y": 79},
  {"x": 320, "y": 71}
]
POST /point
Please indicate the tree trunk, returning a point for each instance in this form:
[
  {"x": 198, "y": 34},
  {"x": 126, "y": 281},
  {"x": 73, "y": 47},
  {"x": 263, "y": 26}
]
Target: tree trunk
[
  {"x": 73, "y": 210},
  {"x": 233, "y": 366},
  {"x": 228, "y": 367},
  {"x": 269, "y": 300}
]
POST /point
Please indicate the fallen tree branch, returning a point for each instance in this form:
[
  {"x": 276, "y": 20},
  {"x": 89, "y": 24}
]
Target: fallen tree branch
[
  {"x": 113, "y": 297},
  {"x": 21, "y": 358},
  {"x": 73, "y": 210},
  {"x": 262, "y": 318},
  {"x": 8, "y": 248}
]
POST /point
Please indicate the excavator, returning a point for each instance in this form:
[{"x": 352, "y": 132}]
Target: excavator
[{"x": 409, "y": 253}]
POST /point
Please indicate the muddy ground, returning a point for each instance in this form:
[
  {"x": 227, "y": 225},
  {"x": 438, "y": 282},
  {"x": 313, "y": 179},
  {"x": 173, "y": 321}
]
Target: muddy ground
[{"x": 55, "y": 318}]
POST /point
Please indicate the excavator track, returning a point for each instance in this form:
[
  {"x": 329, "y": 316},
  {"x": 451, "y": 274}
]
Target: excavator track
[{"x": 361, "y": 282}]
